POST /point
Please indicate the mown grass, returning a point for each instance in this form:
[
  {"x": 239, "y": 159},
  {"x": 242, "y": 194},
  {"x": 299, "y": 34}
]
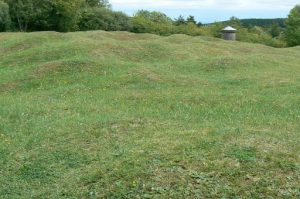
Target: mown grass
[{"x": 121, "y": 115}]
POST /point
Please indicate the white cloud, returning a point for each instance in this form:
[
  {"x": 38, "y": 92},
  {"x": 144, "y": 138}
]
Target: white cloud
[{"x": 206, "y": 4}]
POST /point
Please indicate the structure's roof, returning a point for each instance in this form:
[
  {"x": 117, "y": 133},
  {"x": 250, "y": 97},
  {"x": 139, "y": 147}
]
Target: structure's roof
[{"x": 229, "y": 29}]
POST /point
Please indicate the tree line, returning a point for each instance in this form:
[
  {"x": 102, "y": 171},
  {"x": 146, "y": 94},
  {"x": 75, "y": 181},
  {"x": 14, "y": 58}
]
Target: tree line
[
  {"x": 83, "y": 15},
  {"x": 265, "y": 23}
]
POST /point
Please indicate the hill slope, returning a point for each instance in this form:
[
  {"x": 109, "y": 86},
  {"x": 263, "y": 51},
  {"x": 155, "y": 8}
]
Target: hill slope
[
  {"x": 120, "y": 115},
  {"x": 264, "y": 22},
  {"x": 261, "y": 22}
]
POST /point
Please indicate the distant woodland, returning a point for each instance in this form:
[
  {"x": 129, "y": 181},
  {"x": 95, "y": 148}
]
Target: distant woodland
[{"x": 262, "y": 22}]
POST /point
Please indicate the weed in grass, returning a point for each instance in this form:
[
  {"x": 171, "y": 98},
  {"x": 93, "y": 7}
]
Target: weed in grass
[{"x": 245, "y": 154}]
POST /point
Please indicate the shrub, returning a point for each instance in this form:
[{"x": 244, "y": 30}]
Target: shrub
[
  {"x": 259, "y": 35},
  {"x": 152, "y": 22},
  {"x": 189, "y": 29},
  {"x": 101, "y": 18}
]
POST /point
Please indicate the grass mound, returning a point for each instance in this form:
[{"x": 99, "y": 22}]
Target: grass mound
[{"x": 122, "y": 115}]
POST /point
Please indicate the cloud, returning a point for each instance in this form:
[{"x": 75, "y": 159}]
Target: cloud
[{"x": 206, "y": 4}]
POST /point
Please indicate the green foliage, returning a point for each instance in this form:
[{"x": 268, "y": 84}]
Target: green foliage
[
  {"x": 180, "y": 20},
  {"x": 258, "y": 35},
  {"x": 121, "y": 22},
  {"x": 44, "y": 13},
  {"x": 152, "y": 22},
  {"x": 265, "y": 23},
  {"x": 67, "y": 14},
  {"x": 189, "y": 29},
  {"x": 22, "y": 12},
  {"x": 103, "y": 19},
  {"x": 191, "y": 19},
  {"x": 293, "y": 27},
  {"x": 156, "y": 17},
  {"x": 213, "y": 30},
  {"x": 4, "y": 17},
  {"x": 234, "y": 21},
  {"x": 275, "y": 30},
  {"x": 98, "y": 3},
  {"x": 30, "y": 15}
]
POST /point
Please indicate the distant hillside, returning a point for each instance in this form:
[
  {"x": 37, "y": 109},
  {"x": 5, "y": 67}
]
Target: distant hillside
[{"x": 261, "y": 22}]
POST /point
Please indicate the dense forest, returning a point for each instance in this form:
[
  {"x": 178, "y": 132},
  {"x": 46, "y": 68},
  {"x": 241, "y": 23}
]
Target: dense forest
[{"x": 83, "y": 15}]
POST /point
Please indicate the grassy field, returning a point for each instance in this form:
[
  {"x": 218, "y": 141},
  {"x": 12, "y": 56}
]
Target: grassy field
[{"x": 121, "y": 115}]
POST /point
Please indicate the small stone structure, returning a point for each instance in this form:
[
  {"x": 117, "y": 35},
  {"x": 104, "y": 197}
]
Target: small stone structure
[{"x": 229, "y": 33}]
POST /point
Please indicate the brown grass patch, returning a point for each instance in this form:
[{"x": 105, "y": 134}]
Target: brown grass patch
[
  {"x": 9, "y": 86},
  {"x": 150, "y": 75},
  {"x": 46, "y": 68}
]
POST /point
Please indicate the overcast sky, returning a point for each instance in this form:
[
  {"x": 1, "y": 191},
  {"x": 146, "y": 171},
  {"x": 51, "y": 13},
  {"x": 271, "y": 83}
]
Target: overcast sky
[{"x": 210, "y": 10}]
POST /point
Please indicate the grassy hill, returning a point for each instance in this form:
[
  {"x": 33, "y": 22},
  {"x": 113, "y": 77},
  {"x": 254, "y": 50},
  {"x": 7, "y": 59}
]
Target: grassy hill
[{"x": 121, "y": 115}]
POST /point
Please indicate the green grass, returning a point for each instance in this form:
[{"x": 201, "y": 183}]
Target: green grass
[{"x": 121, "y": 115}]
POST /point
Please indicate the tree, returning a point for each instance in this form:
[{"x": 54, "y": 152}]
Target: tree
[
  {"x": 22, "y": 12},
  {"x": 33, "y": 15},
  {"x": 66, "y": 14},
  {"x": 180, "y": 21},
  {"x": 152, "y": 22},
  {"x": 4, "y": 17},
  {"x": 275, "y": 30},
  {"x": 59, "y": 15},
  {"x": 99, "y": 18},
  {"x": 199, "y": 24},
  {"x": 121, "y": 22},
  {"x": 98, "y": 3},
  {"x": 235, "y": 22},
  {"x": 157, "y": 17},
  {"x": 191, "y": 19},
  {"x": 293, "y": 27}
]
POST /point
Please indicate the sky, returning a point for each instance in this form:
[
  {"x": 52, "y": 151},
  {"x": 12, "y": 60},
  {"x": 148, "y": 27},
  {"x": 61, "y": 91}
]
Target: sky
[{"x": 207, "y": 11}]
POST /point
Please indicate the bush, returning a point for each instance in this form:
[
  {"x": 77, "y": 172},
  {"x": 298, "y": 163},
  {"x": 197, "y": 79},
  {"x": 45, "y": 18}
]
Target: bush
[
  {"x": 103, "y": 19},
  {"x": 152, "y": 22},
  {"x": 259, "y": 35},
  {"x": 189, "y": 29},
  {"x": 213, "y": 30},
  {"x": 121, "y": 22}
]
